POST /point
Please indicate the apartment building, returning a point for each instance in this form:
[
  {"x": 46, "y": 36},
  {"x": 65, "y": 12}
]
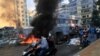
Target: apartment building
[
  {"x": 75, "y": 11},
  {"x": 81, "y": 11},
  {"x": 87, "y": 9},
  {"x": 22, "y": 13},
  {"x": 62, "y": 26}
]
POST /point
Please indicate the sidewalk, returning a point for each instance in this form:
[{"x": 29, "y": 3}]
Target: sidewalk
[{"x": 92, "y": 50}]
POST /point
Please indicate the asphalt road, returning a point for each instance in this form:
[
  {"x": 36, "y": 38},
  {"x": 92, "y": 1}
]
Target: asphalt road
[{"x": 63, "y": 50}]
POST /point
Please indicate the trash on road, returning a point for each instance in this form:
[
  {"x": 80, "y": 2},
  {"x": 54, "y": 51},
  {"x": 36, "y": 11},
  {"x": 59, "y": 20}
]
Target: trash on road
[{"x": 74, "y": 41}]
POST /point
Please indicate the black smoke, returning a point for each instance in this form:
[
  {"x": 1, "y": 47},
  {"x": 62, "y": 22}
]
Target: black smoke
[
  {"x": 46, "y": 6},
  {"x": 45, "y": 21}
]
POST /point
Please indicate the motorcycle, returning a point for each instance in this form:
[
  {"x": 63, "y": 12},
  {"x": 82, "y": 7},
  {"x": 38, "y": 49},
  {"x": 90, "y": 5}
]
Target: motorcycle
[{"x": 30, "y": 51}]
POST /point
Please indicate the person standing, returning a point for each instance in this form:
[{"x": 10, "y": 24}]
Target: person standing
[{"x": 92, "y": 34}]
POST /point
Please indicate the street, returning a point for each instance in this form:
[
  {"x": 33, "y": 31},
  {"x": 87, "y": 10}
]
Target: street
[
  {"x": 72, "y": 26},
  {"x": 63, "y": 50}
]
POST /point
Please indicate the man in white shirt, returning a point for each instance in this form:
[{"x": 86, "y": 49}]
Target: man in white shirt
[{"x": 42, "y": 47}]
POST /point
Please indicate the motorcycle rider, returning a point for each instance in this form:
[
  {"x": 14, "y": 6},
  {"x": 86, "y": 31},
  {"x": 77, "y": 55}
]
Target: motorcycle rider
[{"x": 40, "y": 46}]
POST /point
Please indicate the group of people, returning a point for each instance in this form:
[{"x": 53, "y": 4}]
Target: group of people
[{"x": 86, "y": 34}]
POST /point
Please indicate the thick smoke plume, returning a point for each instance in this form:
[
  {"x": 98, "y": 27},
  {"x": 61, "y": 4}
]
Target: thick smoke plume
[
  {"x": 44, "y": 21},
  {"x": 46, "y": 6}
]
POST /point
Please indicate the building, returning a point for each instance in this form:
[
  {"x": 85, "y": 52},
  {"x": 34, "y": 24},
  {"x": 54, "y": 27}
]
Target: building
[
  {"x": 75, "y": 11},
  {"x": 62, "y": 21},
  {"x": 22, "y": 13},
  {"x": 87, "y": 9},
  {"x": 62, "y": 13},
  {"x": 81, "y": 11}
]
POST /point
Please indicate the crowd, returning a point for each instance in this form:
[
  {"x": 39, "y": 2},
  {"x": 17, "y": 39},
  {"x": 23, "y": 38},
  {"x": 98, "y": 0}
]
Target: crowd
[{"x": 86, "y": 34}]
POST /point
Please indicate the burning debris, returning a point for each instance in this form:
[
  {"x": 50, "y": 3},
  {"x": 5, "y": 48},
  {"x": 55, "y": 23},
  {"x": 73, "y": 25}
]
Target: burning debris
[
  {"x": 44, "y": 21},
  {"x": 30, "y": 40}
]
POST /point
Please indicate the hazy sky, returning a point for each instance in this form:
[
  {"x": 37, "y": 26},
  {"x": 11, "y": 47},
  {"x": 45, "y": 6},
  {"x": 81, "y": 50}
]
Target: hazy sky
[
  {"x": 65, "y": 1},
  {"x": 31, "y": 5}
]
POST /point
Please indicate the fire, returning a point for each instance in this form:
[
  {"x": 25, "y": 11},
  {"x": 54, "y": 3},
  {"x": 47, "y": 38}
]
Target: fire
[
  {"x": 7, "y": 13},
  {"x": 22, "y": 36},
  {"x": 29, "y": 40}
]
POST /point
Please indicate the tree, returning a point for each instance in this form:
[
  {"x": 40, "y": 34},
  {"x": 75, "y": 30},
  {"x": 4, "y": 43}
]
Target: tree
[{"x": 96, "y": 16}]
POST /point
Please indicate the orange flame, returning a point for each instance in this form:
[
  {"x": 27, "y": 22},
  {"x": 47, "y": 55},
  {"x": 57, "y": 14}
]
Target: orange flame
[
  {"x": 22, "y": 36},
  {"x": 30, "y": 40}
]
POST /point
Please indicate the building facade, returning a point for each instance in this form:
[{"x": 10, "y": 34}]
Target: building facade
[
  {"x": 75, "y": 11},
  {"x": 87, "y": 9},
  {"x": 81, "y": 11},
  {"x": 22, "y": 13},
  {"x": 62, "y": 20}
]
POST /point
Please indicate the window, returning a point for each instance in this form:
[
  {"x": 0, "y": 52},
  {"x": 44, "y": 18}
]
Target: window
[
  {"x": 87, "y": 16},
  {"x": 26, "y": 12},
  {"x": 17, "y": 6},
  {"x": 26, "y": 19},
  {"x": 21, "y": 2},
  {"x": 76, "y": 21},
  {"x": 84, "y": 16},
  {"x": 61, "y": 21},
  {"x": 99, "y": 14},
  {"x": 75, "y": 12},
  {"x": 87, "y": 6},
  {"x": 18, "y": 14},
  {"x": 83, "y": 7},
  {"x": 17, "y": 2},
  {"x": 22, "y": 11},
  {"x": 22, "y": 15},
  {"x": 84, "y": 1},
  {"x": 23, "y": 23},
  {"x": 23, "y": 19},
  {"x": 22, "y": 7}
]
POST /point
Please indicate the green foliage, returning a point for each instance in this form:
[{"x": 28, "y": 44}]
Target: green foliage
[
  {"x": 98, "y": 3},
  {"x": 96, "y": 17}
]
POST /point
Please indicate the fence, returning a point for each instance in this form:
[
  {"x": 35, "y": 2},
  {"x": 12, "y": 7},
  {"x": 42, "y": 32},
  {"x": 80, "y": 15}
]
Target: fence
[{"x": 8, "y": 36}]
